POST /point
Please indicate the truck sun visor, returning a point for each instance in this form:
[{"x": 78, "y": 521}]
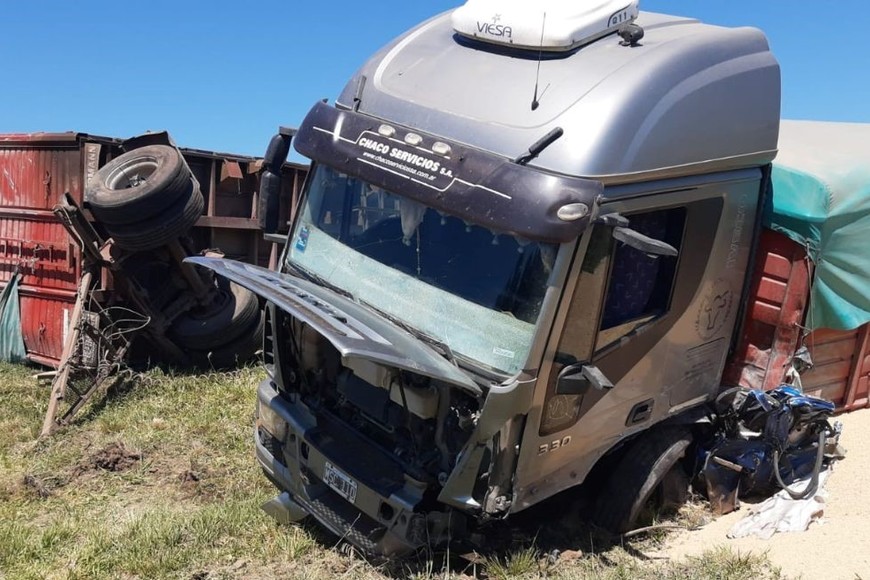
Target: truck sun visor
[
  {"x": 550, "y": 25},
  {"x": 476, "y": 186}
]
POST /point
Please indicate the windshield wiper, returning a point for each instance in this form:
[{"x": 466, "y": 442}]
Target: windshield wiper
[
  {"x": 319, "y": 280},
  {"x": 441, "y": 347}
]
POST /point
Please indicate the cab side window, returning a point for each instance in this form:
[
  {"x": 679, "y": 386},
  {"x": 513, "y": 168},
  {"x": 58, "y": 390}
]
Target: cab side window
[{"x": 640, "y": 286}]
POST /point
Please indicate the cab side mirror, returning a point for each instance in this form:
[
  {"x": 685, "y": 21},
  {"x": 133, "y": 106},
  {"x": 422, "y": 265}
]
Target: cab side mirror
[{"x": 270, "y": 180}]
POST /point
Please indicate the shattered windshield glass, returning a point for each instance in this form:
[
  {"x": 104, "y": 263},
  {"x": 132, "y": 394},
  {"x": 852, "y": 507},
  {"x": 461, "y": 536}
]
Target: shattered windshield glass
[{"x": 476, "y": 290}]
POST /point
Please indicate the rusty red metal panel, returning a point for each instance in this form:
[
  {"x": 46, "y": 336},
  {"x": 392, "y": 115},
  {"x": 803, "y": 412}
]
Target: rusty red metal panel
[
  {"x": 35, "y": 170},
  {"x": 45, "y": 322},
  {"x": 772, "y": 291},
  {"x": 35, "y": 245},
  {"x": 231, "y": 170},
  {"x": 30, "y": 139},
  {"x": 34, "y": 176},
  {"x": 776, "y": 303}
]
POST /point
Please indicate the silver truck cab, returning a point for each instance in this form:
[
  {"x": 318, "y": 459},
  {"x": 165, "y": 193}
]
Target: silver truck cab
[{"x": 512, "y": 259}]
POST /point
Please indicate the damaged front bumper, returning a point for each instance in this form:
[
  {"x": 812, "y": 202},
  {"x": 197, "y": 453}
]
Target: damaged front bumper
[{"x": 327, "y": 471}]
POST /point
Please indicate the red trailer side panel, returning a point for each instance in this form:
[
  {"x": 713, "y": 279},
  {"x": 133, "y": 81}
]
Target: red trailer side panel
[
  {"x": 834, "y": 355},
  {"x": 772, "y": 332},
  {"x": 775, "y": 310},
  {"x": 34, "y": 171},
  {"x": 842, "y": 367}
]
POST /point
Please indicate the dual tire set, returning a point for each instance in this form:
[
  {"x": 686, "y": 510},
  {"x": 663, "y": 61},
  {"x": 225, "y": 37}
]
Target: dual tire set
[{"x": 145, "y": 200}]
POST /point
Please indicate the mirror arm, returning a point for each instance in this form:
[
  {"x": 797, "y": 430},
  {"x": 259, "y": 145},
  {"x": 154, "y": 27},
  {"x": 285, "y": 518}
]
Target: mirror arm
[
  {"x": 633, "y": 238},
  {"x": 645, "y": 244},
  {"x": 577, "y": 378},
  {"x": 596, "y": 378},
  {"x": 612, "y": 219}
]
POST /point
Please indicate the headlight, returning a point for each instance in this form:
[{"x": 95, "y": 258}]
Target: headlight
[{"x": 271, "y": 422}]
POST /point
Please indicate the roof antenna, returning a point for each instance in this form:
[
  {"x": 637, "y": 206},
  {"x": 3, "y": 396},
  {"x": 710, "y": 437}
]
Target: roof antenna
[{"x": 536, "y": 98}]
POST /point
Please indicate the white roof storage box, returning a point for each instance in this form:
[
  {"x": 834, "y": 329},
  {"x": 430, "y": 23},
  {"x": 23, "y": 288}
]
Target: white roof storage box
[{"x": 551, "y": 25}]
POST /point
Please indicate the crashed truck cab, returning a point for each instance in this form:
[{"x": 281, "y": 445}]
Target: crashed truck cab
[{"x": 522, "y": 243}]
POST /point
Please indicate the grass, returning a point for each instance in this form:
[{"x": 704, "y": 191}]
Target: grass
[
  {"x": 715, "y": 564},
  {"x": 516, "y": 564},
  {"x": 159, "y": 481}
]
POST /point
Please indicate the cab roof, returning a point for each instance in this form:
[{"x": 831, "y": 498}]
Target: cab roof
[{"x": 690, "y": 98}]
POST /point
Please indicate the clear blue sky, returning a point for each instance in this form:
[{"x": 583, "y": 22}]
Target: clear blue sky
[{"x": 223, "y": 75}]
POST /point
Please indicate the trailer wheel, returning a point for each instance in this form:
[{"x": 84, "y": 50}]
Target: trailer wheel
[
  {"x": 232, "y": 315},
  {"x": 648, "y": 475},
  {"x": 233, "y": 354},
  {"x": 139, "y": 184},
  {"x": 153, "y": 232}
]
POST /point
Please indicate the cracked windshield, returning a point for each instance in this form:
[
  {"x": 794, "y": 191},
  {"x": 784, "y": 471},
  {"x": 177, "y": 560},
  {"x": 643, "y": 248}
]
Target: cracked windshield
[{"x": 476, "y": 290}]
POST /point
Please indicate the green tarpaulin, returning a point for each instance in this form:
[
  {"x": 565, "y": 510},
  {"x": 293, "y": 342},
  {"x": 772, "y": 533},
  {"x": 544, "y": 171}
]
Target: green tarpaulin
[
  {"x": 11, "y": 341},
  {"x": 821, "y": 199}
]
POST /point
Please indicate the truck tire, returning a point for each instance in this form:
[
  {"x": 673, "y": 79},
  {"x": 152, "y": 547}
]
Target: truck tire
[
  {"x": 234, "y": 314},
  {"x": 153, "y": 232},
  {"x": 139, "y": 184},
  {"x": 651, "y": 464},
  {"x": 231, "y": 355}
]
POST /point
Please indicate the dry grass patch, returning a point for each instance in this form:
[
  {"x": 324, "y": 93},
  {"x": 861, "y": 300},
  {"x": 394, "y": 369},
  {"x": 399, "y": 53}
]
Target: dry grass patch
[{"x": 158, "y": 480}]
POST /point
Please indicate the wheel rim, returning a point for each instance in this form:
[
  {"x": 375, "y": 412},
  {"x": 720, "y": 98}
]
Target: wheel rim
[
  {"x": 221, "y": 301},
  {"x": 133, "y": 173}
]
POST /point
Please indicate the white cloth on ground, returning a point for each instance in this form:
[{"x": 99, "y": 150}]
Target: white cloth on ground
[{"x": 781, "y": 513}]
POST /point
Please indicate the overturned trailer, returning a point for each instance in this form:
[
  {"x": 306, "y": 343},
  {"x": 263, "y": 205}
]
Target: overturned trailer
[{"x": 36, "y": 170}]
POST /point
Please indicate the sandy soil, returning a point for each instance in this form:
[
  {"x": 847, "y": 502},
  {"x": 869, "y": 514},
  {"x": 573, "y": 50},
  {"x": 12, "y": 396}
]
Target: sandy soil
[{"x": 836, "y": 547}]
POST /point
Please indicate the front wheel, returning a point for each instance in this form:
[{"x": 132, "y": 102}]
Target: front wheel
[{"x": 649, "y": 476}]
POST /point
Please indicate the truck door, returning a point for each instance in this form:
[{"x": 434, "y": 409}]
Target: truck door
[
  {"x": 620, "y": 291},
  {"x": 629, "y": 323}
]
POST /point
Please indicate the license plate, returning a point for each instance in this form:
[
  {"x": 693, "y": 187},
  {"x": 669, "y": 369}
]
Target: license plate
[{"x": 340, "y": 482}]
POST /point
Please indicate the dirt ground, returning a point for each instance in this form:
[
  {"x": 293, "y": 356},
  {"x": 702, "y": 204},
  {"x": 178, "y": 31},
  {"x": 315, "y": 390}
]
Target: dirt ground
[{"x": 836, "y": 547}]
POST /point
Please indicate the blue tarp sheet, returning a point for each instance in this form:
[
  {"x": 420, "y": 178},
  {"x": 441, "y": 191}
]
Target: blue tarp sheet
[
  {"x": 821, "y": 199},
  {"x": 12, "y": 347}
]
